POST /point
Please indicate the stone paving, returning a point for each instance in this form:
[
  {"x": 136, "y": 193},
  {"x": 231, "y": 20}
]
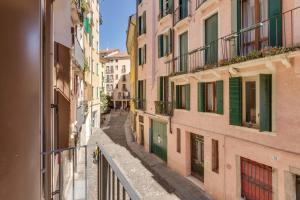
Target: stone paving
[{"x": 119, "y": 131}]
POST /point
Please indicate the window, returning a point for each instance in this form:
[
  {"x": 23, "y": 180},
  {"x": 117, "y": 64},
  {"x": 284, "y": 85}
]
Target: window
[
  {"x": 251, "y": 101},
  {"x": 117, "y": 85},
  {"x": 178, "y": 140},
  {"x": 123, "y": 69},
  {"x": 165, "y": 44},
  {"x": 141, "y": 95},
  {"x": 183, "y": 97},
  {"x": 117, "y": 77},
  {"x": 142, "y": 55},
  {"x": 215, "y": 156},
  {"x": 183, "y": 53},
  {"x": 142, "y": 24},
  {"x": 116, "y": 67},
  {"x": 124, "y": 87},
  {"x": 165, "y": 8},
  {"x": 210, "y": 97},
  {"x": 163, "y": 83}
]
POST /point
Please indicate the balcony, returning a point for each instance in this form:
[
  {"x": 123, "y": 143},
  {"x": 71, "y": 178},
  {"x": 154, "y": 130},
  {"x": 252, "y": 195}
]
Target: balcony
[
  {"x": 267, "y": 38},
  {"x": 78, "y": 54},
  {"x": 199, "y": 3},
  {"x": 164, "y": 13},
  {"x": 140, "y": 104},
  {"x": 76, "y": 12},
  {"x": 101, "y": 170},
  {"x": 164, "y": 108},
  {"x": 109, "y": 71}
]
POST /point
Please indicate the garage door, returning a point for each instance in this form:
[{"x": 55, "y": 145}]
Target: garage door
[
  {"x": 159, "y": 139},
  {"x": 256, "y": 180}
]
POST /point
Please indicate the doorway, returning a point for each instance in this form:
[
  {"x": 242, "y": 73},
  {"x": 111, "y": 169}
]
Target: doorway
[{"x": 197, "y": 156}]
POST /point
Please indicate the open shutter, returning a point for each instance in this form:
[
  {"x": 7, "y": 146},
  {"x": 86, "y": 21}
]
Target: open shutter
[
  {"x": 219, "y": 94},
  {"x": 161, "y": 88},
  {"x": 265, "y": 102},
  {"x": 201, "y": 97},
  {"x": 170, "y": 8},
  {"x": 177, "y": 97},
  {"x": 161, "y": 8},
  {"x": 160, "y": 46},
  {"x": 275, "y": 29},
  {"x": 145, "y": 54},
  {"x": 187, "y": 96},
  {"x": 235, "y": 101},
  {"x": 170, "y": 42},
  {"x": 144, "y": 22}
]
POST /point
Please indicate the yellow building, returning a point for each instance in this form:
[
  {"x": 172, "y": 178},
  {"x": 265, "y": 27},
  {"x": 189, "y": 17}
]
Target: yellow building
[{"x": 131, "y": 44}]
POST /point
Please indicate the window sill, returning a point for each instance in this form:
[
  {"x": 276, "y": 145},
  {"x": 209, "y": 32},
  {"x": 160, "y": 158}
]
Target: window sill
[
  {"x": 253, "y": 130},
  {"x": 181, "y": 109},
  {"x": 210, "y": 114}
]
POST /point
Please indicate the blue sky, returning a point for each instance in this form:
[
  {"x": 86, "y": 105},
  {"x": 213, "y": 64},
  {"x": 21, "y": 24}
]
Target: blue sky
[{"x": 115, "y": 15}]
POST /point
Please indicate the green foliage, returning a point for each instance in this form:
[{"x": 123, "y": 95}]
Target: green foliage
[{"x": 105, "y": 101}]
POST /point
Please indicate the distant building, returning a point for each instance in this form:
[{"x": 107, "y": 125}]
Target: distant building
[{"x": 117, "y": 77}]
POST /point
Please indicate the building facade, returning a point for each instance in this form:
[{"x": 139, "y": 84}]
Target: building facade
[
  {"x": 117, "y": 78},
  {"x": 92, "y": 67},
  {"x": 131, "y": 44},
  {"x": 217, "y": 93}
]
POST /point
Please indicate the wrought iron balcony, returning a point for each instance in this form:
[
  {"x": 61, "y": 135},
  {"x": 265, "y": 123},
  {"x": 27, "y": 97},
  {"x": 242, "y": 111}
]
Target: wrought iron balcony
[
  {"x": 78, "y": 54},
  {"x": 140, "y": 104},
  {"x": 273, "y": 36},
  {"x": 164, "y": 13},
  {"x": 164, "y": 108}
]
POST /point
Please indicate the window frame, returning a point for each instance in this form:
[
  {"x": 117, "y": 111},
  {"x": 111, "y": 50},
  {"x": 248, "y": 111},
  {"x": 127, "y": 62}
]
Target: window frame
[
  {"x": 215, "y": 164},
  {"x": 244, "y": 101}
]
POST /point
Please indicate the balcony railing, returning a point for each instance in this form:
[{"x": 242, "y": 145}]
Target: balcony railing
[
  {"x": 109, "y": 71},
  {"x": 275, "y": 35},
  {"x": 181, "y": 12},
  {"x": 164, "y": 13},
  {"x": 78, "y": 53},
  {"x": 163, "y": 108},
  {"x": 140, "y": 104}
]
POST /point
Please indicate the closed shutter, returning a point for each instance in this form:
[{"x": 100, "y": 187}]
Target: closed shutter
[
  {"x": 235, "y": 101},
  {"x": 275, "y": 30},
  {"x": 177, "y": 97},
  {"x": 173, "y": 95},
  {"x": 219, "y": 94},
  {"x": 140, "y": 56},
  {"x": 265, "y": 102},
  {"x": 201, "y": 97},
  {"x": 187, "y": 96}
]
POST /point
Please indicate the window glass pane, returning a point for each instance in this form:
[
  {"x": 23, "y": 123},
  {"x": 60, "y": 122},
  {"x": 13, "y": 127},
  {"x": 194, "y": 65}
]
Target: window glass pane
[
  {"x": 210, "y": 97},
  {"x": 251, "y": 102}
]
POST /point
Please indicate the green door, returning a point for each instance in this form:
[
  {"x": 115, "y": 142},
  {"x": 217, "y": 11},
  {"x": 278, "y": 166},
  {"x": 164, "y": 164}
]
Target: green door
[
  {"x": 183, "y": 51},
  {"x": 159, "y": 139},
  {"x": 211, "y": 40}
]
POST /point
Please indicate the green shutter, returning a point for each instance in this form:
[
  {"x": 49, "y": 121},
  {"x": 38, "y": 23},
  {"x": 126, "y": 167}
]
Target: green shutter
[
  {"x": 201, "y": 97},
  {"x": 144, "y": 22},
  {"x": 161, "y": 8},
  {"x": 219, "y": 94},
  {"x": 86, "y": 23},
  {"x": 211, "y": 40},
  {"x": 170, "y": 9},
  {"x": 187, "y": 96},
  {"x": 239, "y": 24},
  {"x": 235, "y": 101},
  {"x": 160, "y": 46},
  {"x": 145, "y": 54},
  {"x": 275, "y": 30},
  {"x": 265, "y": 102},
  {"x": 177, "y": 97},
  {"x": 161, "y": 88},
  {"x": 170, "y": 42}
]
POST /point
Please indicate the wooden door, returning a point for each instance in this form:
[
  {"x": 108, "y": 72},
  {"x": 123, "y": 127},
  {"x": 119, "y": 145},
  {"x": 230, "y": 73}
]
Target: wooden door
[
  {"x": 256, "y": 180},
  {"x": 211, "y": 40},
  {"x": 159, "y": 139}
]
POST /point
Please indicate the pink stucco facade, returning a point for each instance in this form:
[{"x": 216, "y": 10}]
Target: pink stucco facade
[{"x": 278, "y": 149}]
